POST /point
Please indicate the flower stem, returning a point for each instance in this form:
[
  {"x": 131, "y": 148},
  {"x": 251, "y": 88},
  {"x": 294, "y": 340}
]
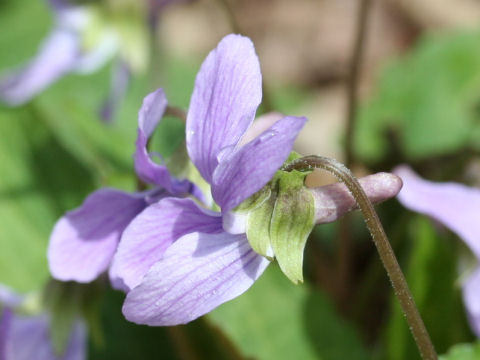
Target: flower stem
[
  {"x": 176, "y": 112},
  {"x": 400, "y": 286}
]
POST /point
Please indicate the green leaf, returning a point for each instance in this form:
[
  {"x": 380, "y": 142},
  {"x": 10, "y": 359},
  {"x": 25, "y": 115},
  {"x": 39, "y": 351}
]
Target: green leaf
[
  {"x": 277, "y": 320},
  {"x": 463, "y": 352},
  {"x": 427, "y": 99},
  {"x": 292, "y": 221}
]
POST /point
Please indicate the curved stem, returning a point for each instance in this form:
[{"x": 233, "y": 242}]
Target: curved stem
[
  {"x": 176, "y": 112},
  {"x": 384, "y": 249}
]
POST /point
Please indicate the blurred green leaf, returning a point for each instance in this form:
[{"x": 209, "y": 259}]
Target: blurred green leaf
[
  {"x": 463, "y": 352},
  {"x": 28, "y": 23},
  {"x": 40, "y": 180},
  {"x": 431, "y": 274},
  {"x": 63, "y": 300},
  {"x": 429, "y": 100},
  {"x": 125, "y": 340},
  {"x": 278, "y": 320}
]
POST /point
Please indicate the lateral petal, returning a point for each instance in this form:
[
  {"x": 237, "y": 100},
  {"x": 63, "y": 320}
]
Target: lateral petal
[
  {"x": 242, "y": 173},
  {"x": 197, "y": 273},
  {"x": 150, "y": 114},
  {"x": 228, "y": 90},
  {"x": 83, "y": 241},
  {"x": 150, "y": 234}
]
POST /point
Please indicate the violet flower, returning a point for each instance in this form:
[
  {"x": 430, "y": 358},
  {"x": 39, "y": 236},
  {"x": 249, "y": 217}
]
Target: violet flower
[
  {"x": 26, "y": 337},
  {"x": 83, "y": 241},
  {"x": 457, "y": 207},
  {"x": 176, "y": 239},
  {"x": 181, "y": 260}
]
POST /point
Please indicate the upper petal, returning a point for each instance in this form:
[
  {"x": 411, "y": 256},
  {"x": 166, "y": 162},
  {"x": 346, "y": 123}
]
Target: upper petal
[
  {"x": 57, "y": 56},
  {"x": 471, "y": 298},
  {"x": 242, "y": 173},
  {"x": 83, "y": 241},
  {"x": 148, "y": 236},
  {"x": 455, "y": 205},
  {"x": 150, "y": 114},
  {"x": 198, "y": 273},
  {"x": 228, "y": 90}
]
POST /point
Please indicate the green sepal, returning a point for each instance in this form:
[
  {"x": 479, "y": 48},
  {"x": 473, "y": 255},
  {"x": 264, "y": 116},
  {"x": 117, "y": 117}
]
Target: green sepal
[
  {"x": 258, "y": 225},
  {"x": 292, "y": 156},
  {"x": 254, "y": 201},
  {"x": 292, "y": 221}
]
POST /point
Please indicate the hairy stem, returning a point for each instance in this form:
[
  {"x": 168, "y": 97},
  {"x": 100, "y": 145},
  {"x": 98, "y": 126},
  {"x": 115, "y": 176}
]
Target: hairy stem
[{"x": 384, "y": 249}]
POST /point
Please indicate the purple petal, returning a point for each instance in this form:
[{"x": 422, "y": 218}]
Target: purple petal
[
  {"x": 83, "y": 242},
  {"x": 9, "y": 298},
  {"x": 29, "y": 338},
  {"x": 59, "y": 5},
  {"x": 150, "y": 114},
  {"x": 6, "y": 316},
  {"x": 242, "y": 173},
  {"x": 119, "y": 85},
  {"x": 148, "y": 236},
  {"x": 56, "y": 57},
  {"x": 455, "y": 205},
  {"x": 471, "y": 298},
  {"x": 198, "y": 273},
  {"x": 228, "y": 90}
]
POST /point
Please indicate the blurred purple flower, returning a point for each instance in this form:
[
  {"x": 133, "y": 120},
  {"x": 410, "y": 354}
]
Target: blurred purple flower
[
  {"x": 457, "y": 207},
  {"x": 83, "y": 241},
  {"x": 177, "y": 257},
  {"x": 24, "y": 337},
  {"x": 61, "y": 52},
  {"x": 64, "y": 51}
]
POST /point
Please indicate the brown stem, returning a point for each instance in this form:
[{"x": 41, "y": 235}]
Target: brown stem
[
  {"x": 354, "y": 76},
  {"x": 176, "y": 112},
  {"x": 382, "y": 244},
  {"x": 344, "y": 248}
]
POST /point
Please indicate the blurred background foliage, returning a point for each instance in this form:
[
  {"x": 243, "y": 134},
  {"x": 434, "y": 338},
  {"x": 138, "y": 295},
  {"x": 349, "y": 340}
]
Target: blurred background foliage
[{"x": 420, "y": 104}]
